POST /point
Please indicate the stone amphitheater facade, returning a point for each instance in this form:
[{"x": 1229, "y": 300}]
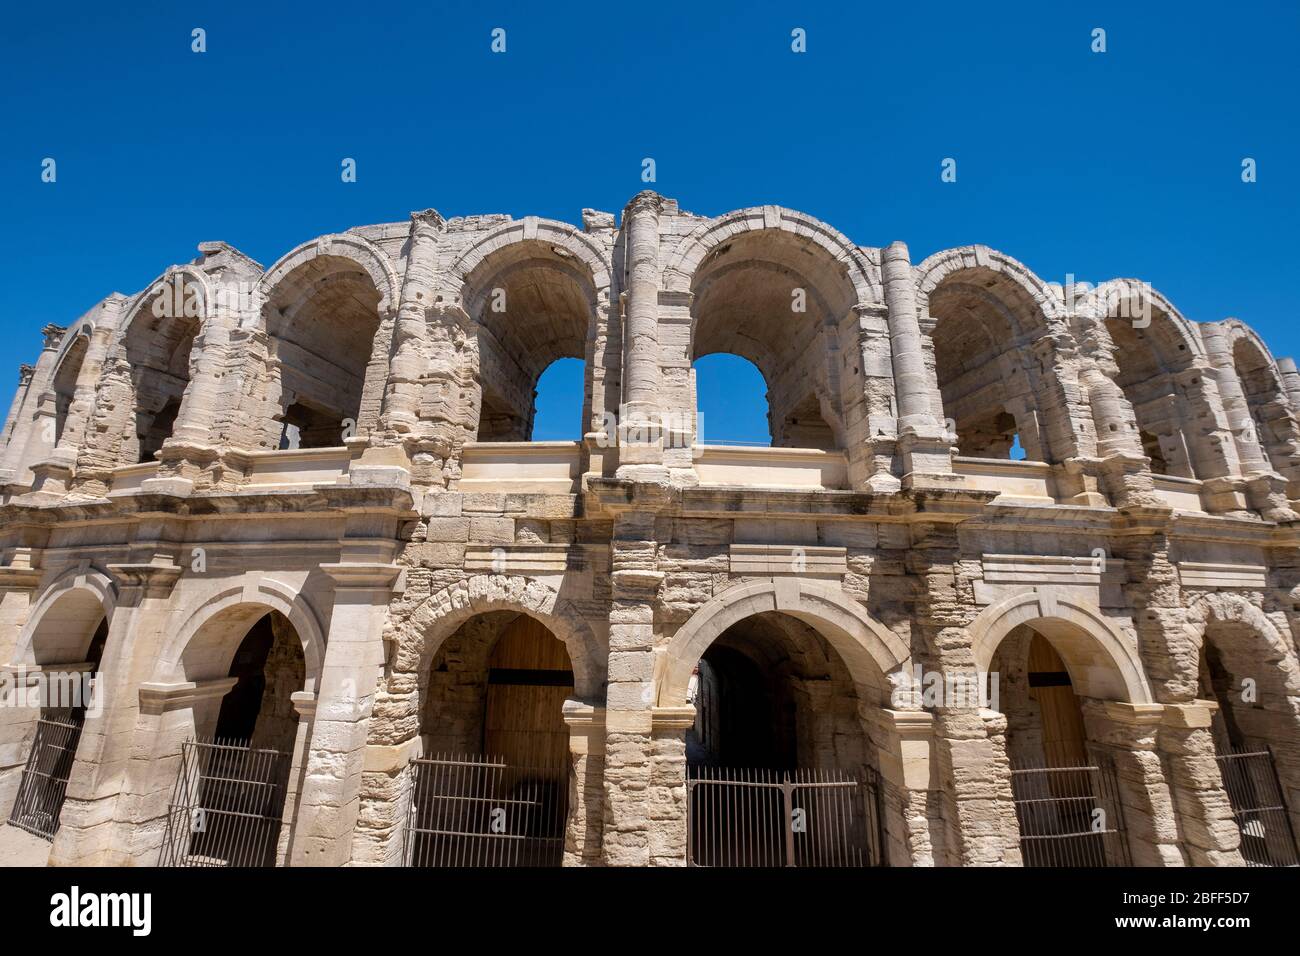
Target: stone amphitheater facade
[{"x": 339, "y": 444}]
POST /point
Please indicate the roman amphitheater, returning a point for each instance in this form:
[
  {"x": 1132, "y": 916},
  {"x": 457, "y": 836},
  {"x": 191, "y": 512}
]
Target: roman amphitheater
[{"x": 328, "y": 603}]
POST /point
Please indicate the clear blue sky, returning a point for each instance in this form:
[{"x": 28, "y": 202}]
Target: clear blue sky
[{"x": 1118, "y": 164}]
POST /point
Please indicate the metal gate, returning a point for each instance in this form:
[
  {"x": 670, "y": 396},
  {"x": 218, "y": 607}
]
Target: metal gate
[
  {"x": 472, "y": 810},
  {"x": 1255, "y": 793},
  {"x": 782, "y": 818},
  {"x": 45, "y": 776},
  {"x": 226, "y": 806},
  {"x": 1069, "y": 816}
]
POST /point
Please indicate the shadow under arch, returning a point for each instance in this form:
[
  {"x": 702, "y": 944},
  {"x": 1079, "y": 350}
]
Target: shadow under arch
[
  {"x": 62, "y": 623},
  {"x": 869, "y": 650}
]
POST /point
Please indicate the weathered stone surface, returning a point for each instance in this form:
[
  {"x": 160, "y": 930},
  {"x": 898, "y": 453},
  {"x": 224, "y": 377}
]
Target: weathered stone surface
[{"x": 340, "y": 442}]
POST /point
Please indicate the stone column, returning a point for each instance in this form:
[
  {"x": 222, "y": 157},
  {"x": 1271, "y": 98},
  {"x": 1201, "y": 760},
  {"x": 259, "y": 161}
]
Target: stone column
[
  {"x": 1125, "y": 469},
  {"x": 1290, "y": 382},
  {"x": 1208, "y": 829},
  {"x": 33, "y": 433},
  {"x": 1266, "y": 490},
  {"x": 586, "y": 722},
  {"x": 190, "y": 451},
  {"x": 925, "y": 447},
  {"x": 401, "y": 409},
  {"x": 354, "y": 660},
  {"x": 1125, "y": 736},
  {"x": 971, "y": 754},
  {"x": 641, "y": 451}
]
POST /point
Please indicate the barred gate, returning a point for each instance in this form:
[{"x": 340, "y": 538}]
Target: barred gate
[
  {"x": 473, "y": 810},
  {"x": 1255, "y": 793},
  {"x": 45, "y": 776},
  {"x": 1070, "y": 816},
  {"x": 226, "y": 806},
  {"x": 803, "y": 817}
]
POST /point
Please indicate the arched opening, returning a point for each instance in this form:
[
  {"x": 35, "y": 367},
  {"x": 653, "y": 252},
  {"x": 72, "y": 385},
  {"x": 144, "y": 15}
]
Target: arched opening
[
  {"x": 1149, "y": 378},
  {"x": 997, "y": 394},
  {"x": 228, "y": 802},
  {"x": 158, "y": 352},
  {"x": 778, "y": 302},
  {"x": 66, "y": 649},
  {"x": 268, "y": 668},
  {"x": 323, "y": 323},
  {"x": 732, "y": 404},
  {"x": 492, "y": 788},
  {"x": 1255, "y": 729},
  {"x": 532, "y": 305},
  {"x": 780, "y": 766},
  {"x": 1271, "y": 419},
  {"x": 64, "y": 384},
  {"x": 1068, "y": 806}
]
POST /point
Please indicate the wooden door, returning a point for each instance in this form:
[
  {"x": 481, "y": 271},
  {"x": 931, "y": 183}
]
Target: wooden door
[
  {"x": 529, "y": 677},
  {"x": 1050, "y": 686}
]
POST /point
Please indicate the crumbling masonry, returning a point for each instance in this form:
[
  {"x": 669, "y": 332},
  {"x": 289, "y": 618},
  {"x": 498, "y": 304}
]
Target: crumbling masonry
[{"x": 340, "y": 442}]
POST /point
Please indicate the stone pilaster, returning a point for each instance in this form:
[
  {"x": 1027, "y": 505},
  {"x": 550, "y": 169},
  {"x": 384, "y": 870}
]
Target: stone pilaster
[
  {"x": 904, "y": 742},
  {"x": 1124, "y": 736},
  {"x": 354, "y": 660},
  {"x": 1209, "y": 831},
  {"x": 586, "y": 722},
  {"x": 666, "y": 803},
  {"x": 98, "y": 815}
]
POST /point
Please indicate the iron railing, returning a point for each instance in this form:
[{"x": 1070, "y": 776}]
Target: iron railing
[
  {"x": 804, "y": 817},
  {"x": 1255, "y": 793},
  {"x": 227, "y": 805},
  {"x": 1070, "y": 816},
  {"x": 44, "y": 782},
  {"x": 478, "y": 811}
]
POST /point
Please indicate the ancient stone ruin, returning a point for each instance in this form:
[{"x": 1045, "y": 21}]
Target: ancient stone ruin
[{"x": 1015, "y": 583}]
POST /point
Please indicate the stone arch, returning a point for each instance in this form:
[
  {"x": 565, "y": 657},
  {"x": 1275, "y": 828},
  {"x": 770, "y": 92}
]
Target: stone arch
[
  {"x": 197, "y": 651},
  {"x": 1101, "y": 662},
  {"x": 164, "y": 284},
  {"x": 869, "y": 649},
  {"x": 66, "y": 373},
  {"x": 738, "y": 274},
  {"x": 1158, "y": 361},
  {"x": 563, "y": 280},
  {"x": 531, "y": 228},
  {"x": 327, "y": 310},
  {"x": 705, "y": 238},
  {"x": 63, "y": 620},
  {"x": 1171, "y": 335},
  {"x": 934, "y": 270},
  {"x": 355, "y": 249},
  {"x": 998, "y": 337},
  {"x": 439, "y": 615},
  {"x": 1267, "y": 403},
  {"x": 1227, "y": 608}
]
